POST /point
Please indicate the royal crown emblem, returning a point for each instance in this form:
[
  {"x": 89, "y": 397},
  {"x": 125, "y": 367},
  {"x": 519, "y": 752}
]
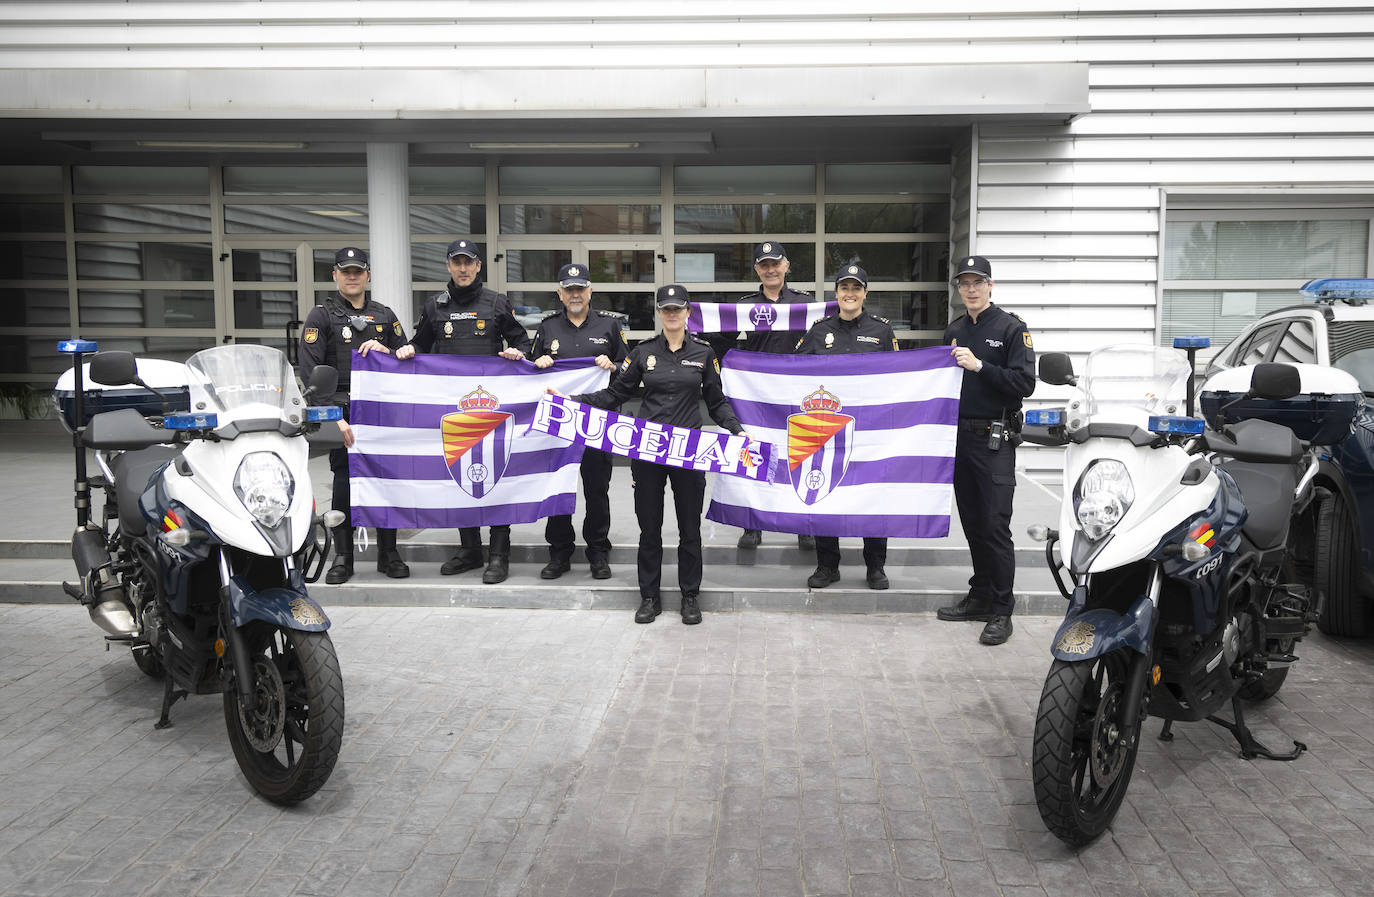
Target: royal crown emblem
[
  {"x": 479, "y": 400},
  {"x": 820, "y": 400},
  {"x": 574, "y": 271}
]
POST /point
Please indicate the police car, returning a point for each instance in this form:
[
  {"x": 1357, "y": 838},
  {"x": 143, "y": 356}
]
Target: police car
[{"x": 1336, "y": 329}]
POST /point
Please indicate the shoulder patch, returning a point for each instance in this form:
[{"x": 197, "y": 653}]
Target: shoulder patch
[
  {"x": 311, "y": 334},
  {"x": 396, "y": 326},
  {"x": 1026, "y": 338},
  {"x": 625, "y": 365},
  {"x": 716, "y": 362}
]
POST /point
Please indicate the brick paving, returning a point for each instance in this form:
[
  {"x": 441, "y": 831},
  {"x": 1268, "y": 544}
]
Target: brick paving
[{"x": 533, "y": 753}]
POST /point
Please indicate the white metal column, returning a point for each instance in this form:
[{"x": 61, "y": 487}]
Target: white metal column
[{"x": 388, "y": 209}]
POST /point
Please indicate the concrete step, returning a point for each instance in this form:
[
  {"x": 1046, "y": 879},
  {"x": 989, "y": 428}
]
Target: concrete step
[
  {"x": 782, "y": 551},
  {"x": 919, "y": 589}
]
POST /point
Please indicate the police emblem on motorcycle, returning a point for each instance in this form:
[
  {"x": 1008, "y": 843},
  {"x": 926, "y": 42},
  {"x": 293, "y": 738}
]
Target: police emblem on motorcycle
[
  {"x": 477, "y": 442},
  {"x": 1077, "y": 639},
  {"x": 763, "y": 315},
  {"x": 820, "y": 442},
  {"x": 305, "y": 613}
]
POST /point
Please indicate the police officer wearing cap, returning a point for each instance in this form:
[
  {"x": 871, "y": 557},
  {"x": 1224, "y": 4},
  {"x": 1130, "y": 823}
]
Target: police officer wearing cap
[
  {"x": 333, "y": 330},
  {"x": 994, "y": 348},
  {"x": 678, "y": 371},
  {"x": 578, "y": 332},
  {"x": 771, "y": 265},
  {"x": 851, "y": 330},
  {"x": 469, "y": 319}
]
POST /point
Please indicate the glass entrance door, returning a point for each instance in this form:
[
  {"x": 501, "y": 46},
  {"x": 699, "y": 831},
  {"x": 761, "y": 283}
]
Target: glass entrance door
[{"x": 624, "y": 275}]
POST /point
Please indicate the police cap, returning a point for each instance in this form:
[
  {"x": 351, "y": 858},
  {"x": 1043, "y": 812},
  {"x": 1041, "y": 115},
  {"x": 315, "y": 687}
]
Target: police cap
[{"x": 351, "y": 257}]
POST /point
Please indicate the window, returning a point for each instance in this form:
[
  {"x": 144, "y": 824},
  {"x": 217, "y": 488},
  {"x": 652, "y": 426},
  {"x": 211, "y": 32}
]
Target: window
[
  {"x": 1256, "y": 347},
  {"x": 1299, "y": 344},
  {"x": 1223, "y": 268}
]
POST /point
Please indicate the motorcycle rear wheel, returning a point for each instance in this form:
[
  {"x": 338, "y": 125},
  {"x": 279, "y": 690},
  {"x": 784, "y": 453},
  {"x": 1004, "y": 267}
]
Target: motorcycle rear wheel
[
  {"x": 288, "y": 744},
  {"x": 1084, "y": 753}
]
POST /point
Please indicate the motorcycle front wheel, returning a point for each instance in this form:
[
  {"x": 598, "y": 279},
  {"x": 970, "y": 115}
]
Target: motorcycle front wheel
[
  {"x": 288, "y": 743},
  {"x": 1084, "y": 752}
]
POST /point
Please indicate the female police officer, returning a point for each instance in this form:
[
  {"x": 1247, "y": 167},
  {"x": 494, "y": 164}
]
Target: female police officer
[
  {"x": 852, "y": 330},
  {"x": 678, "y": 370}
]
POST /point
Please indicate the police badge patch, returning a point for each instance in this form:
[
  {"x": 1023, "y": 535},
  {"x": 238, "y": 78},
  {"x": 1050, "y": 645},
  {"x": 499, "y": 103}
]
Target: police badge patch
[
  {"x": 553, "y": 346},
  {"x": 1025, "y": 337},
  {"x": 650, "y": 363},
  {"x": 311, "y": 334},
  {"x": 716, "y": 362},
  {"x": 347, "y": 333},
  {"x": 448, "y": 328},
  {"x": 396, "y": 326}
]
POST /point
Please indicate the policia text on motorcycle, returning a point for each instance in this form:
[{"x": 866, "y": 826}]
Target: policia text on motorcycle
[
  {"x": 994, "y": 349},
  {"x": 469, "y": 319},
  {"x": 579, "y": 332},
  {"x": 346, "y": 321},
  {"x": 852, "y": 330}
]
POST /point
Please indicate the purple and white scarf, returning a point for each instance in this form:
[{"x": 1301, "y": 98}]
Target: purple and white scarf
[
  {"x": 644, "y": 440},
  {"x": 742, "y": 317}
]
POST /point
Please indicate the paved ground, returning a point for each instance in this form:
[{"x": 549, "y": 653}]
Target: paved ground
[{"x": 533, "y": 753}]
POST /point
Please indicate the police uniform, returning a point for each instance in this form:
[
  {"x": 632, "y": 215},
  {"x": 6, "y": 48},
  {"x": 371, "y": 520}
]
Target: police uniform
[
  {"x": 777, "y": 342},
  {"x": 833, "y": 335},
  {"x": 675, "y": 383},
  {"x": 471, "y": 320},
  {"x": 558, "y": 337},
  {"x": 984, "y": 463},
  {"x": 331, "y": 332}
]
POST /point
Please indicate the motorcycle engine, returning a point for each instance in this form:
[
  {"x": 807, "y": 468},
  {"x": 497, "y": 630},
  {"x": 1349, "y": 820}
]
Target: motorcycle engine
[{"x": 1233, "y": 639}]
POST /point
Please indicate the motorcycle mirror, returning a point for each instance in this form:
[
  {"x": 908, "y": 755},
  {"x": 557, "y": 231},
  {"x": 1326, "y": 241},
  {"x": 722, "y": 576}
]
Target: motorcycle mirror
[
  {"x": 1274, "y": 381},
  {"x": 114, "y": 368},
  {"x": 1056, "y": 369},
  {"x": 323, "y": 380}
]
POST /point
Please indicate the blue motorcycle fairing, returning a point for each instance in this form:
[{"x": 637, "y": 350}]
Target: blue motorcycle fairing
[
  {"x": 1085, "y": 634},
  {"x": 1204, "y": 581},
  {"x": 288, "y": 607},
  {"x": 177, "y": 562}
]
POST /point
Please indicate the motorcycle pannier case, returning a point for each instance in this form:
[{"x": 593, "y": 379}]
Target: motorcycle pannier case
[{"x": 1321, "y": 414}]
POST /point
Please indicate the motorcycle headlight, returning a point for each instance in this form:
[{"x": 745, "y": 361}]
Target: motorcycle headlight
[
  {"x": 1103, "y": 495},
  {"x": 265, "y": 486}
]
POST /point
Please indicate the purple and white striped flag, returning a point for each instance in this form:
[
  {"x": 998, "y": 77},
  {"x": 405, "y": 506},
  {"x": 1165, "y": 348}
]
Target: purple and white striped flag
[
  {"x": 439, "y": 441},
  {"x": 645, "y": 440},
  {"x": 741, "y": 317},
  {"x": 869, "y": 441}
]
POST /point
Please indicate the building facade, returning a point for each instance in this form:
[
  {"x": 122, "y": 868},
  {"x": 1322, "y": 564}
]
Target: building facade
[{"x": 177, "y": 175}]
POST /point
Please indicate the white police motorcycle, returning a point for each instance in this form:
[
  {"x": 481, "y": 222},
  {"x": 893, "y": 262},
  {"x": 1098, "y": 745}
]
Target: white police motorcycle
[
  {"x": 1175, "y": 534},
  {"x": 204, "y": 544}
]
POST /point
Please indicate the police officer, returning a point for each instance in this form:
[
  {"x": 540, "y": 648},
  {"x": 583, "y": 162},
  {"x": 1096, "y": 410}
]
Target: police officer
[
  {"x": 851, "y": 330},
  {"x": 346, "y": 321},
  {"x": 577, "y": 332},
  {"x": 678, "y": 371},
  {"x": 469, "y": 319},
  {"x": 994, "y": 349},
  {"x": 771, "y": 265}
]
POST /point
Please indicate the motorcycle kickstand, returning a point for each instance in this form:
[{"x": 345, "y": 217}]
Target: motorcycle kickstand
[
  {"x": 170, "y": 695},
  {"x": 1167, "y": 733},
  {"x": 1250, "y": 747}
]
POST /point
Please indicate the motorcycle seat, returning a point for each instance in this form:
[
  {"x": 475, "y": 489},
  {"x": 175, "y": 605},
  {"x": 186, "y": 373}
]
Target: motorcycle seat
[
  {"x": 132, "y": 470},
  {"x": 1267, "y": 490}
]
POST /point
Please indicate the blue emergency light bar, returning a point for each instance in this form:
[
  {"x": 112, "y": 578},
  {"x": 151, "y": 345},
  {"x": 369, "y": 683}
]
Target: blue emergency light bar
[
  {"x": 1339, "y": 288},
  {"x": 317, "y": 414},
  {"x": 1045, "y": 417},
  {"x": 1168, "y": 423},
  {"x": 73, "y": 346},
  {"x": 1191, "y": 342},
  {"x": 202, "y": 421}
]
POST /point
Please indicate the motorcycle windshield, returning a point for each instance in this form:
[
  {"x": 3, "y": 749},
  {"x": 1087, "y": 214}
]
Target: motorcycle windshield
[
  {"x": 242, "y": 381},
  {"x": 1127, "y": 384}
]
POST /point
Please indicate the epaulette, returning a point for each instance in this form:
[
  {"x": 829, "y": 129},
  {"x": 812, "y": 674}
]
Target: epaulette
[
  {"x": 618, "y": 315},
  {"x": 698, "y": 339},
  {"x": 881, "y": 319}
]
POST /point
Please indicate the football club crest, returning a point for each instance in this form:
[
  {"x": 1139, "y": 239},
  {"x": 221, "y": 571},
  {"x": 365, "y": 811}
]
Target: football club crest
[
  {"x": 477, "y": 442},
  {"x": 763, "y": 315},
  {"x": 820, "y": 442}
]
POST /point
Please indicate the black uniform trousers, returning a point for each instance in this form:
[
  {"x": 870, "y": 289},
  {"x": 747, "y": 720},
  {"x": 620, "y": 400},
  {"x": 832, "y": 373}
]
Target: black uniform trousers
[
  {"x": 828, "y": 552},
  {"x": 689, "y": 492},
  {"x": 596, "y": 521},
  {"x": 341, "y": 500},
  {"x": 984, "y": 481}
]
